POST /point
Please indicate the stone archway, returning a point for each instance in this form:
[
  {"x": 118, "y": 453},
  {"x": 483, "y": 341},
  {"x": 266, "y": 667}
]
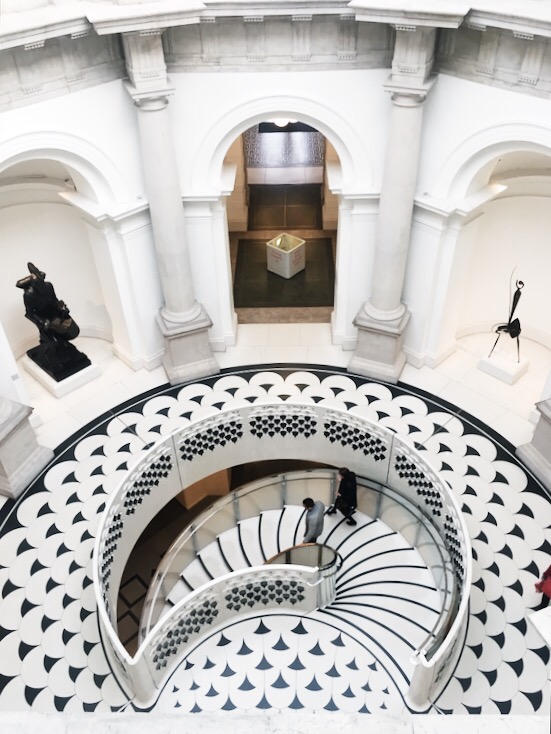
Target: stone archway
[
  {"x": 499, "y": 180},
  {"x": 66, "y": 193},
  {"x": 282, "y": 185},
  {"x": 351, "y": 178}
]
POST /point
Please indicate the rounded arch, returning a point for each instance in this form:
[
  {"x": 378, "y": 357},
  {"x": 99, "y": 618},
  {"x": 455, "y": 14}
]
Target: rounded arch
[
  {"x": 357, "y": 168},
  {"x": 475, "y": 154},
  {"x": 93, "y": 172}
]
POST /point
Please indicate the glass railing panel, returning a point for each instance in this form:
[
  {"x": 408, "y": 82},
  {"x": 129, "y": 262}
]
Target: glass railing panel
[
  {"x": 224, "y": 517},
  {"x": 203, "y": 536},
  {"x": 317, "y": 484},
  {"x": 399, "y": 518},
  {"x": 369, "y": 501},
  {"x": 265, "y": 495}
]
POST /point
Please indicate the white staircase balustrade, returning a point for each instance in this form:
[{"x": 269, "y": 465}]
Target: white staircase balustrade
[{"x": 282, "y": 430}]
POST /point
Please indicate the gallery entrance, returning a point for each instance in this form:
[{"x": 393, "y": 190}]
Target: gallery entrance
[{"x": 285, "y": 190}]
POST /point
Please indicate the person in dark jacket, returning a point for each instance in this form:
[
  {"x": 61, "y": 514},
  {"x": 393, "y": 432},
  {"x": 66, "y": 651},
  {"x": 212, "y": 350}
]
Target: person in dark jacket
[{"x": 345, "y": 499}]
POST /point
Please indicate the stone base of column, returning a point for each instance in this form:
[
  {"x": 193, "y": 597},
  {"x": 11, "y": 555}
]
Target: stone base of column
[
  {"x": 378, "y": 352},
  {"x": 537, "y": 454},
  {"x": 21, "y": 457},
  {"x": 188, "y": 354}
]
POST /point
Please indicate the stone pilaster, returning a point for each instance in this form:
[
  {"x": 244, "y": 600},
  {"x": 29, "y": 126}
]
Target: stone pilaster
[
  {"x": 182, "y": 321},
  {"x": 302, "y": 37},
  {"x": 21, "y": 457},
  {"x": 537, "y": 454}
]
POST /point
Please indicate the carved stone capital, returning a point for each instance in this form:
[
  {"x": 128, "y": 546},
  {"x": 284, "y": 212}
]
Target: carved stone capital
[
  {"x": 408, "y": 94},
  {"x": 150, "y": 100}
]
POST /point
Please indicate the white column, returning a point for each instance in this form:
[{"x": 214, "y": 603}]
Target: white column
[
  {"x": 209, "y": 249},
  {"x": 381, "y": 321},
  {"x": 165, "y": 206},
  {"x": 125, "y": 261},
  {"x": 537, "y": 454},
  {"x": 396, "y": 206},
  {"x": 354, "y": 259},
  {"x": 183, "y": 322}
]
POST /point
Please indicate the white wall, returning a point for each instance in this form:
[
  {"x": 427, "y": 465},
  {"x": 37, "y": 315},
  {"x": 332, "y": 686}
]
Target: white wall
[
  {"x": 352, "y": 104},
  {"x": 465, "y": 115},
  {"x": 98, "y": 123},
  {"x": 513, "y": 234},
  {"x": 94, "y": 133},
  {"x": 53, "y": 237},
  {"x": 350, "y": 107}
]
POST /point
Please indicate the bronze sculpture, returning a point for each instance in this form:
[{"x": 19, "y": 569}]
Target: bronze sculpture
[
  {"x": 512, "y": 327},
  {"x": 55, "y": 355}
]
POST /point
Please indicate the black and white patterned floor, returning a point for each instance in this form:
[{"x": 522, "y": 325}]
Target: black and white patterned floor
[{"x": 51, "y": 656}]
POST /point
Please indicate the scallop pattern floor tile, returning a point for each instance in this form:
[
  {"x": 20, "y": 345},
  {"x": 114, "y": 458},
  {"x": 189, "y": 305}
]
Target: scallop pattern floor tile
[{"x": 50, "y": 649}]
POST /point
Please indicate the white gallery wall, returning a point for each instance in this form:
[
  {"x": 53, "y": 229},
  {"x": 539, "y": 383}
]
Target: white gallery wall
[
  {"x": 53, "y": 237},
  {"x": 466, "y": 121},
  {"x": 210, "y": 110},
  {"x": 512, "y": 242},
  {"x": 459, "y": 265},
  {"x": 94, "y": 133},
  {"x": 106, "y": 273},
  {"x": 97, "y": 125}
]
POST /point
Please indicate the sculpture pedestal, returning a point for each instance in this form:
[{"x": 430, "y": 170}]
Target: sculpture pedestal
[
  {"x": 65, "y": 386},
  {"x": 21, "y": 457},
  {"x": 58, "y": 360},
  {"x": 503, "y": 368}
]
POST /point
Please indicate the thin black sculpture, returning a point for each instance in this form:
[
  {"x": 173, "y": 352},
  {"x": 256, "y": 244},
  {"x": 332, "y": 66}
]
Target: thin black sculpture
[
  {"x": 55, "y": 355},
  {"x": 512, "y": 327}
]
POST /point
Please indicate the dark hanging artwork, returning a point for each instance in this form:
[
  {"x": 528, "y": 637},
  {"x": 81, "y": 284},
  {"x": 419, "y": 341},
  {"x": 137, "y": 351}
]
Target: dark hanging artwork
[
  {"x": 55, "y": 354},
  {"x": 512, "y": 327}
]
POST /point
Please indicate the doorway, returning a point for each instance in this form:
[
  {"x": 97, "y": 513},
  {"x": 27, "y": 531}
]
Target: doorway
[{"x": 285, "y": 190}]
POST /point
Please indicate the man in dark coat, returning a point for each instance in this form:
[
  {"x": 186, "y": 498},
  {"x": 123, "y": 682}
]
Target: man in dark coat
[{"x": 345, "y": 499}]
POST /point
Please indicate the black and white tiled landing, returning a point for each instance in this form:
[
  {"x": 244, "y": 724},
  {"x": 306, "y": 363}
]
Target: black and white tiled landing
[
  {"x": 51, "y": 656},
  {"x": 282, "y": 662}
]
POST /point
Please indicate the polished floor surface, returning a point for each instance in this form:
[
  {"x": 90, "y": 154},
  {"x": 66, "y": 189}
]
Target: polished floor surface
[
  {"x": 285, "y": 206},
  {"x": 255, "y": 286},
  {"x": 50, "y": 650}
]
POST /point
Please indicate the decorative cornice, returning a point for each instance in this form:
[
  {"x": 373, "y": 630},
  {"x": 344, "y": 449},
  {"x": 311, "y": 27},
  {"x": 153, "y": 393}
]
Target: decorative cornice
[
  {"x": 123, "y": 19},
  {"x": 518, "y": 20},
  {"x": 428, "y": 13},
  {"x": 33, "y": 45}
]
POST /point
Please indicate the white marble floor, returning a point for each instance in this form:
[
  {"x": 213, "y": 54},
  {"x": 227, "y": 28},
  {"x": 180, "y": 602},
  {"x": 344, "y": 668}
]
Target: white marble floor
[
  {"x": 50, "y": 648},
  {"x": 508, "y": 409}
]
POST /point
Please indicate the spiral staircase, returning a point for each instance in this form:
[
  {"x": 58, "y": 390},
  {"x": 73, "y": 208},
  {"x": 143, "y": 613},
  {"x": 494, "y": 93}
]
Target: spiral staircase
[{"x": 387, "y": 600}]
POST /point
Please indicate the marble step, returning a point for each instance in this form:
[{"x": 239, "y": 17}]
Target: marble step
[{"x": 383, "y": 637}]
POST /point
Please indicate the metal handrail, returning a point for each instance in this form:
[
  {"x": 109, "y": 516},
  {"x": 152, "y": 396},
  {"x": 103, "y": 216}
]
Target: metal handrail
[{"x": 444, "y": 621}]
